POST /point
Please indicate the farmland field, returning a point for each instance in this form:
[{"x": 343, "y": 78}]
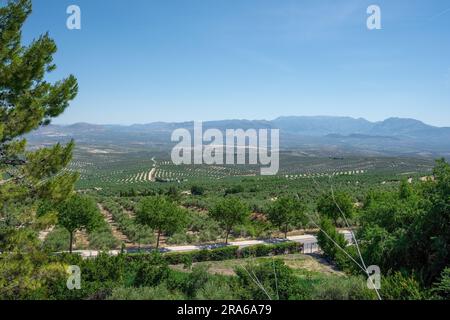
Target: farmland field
[
  {"x": 110, "y": 170},
  {"x": 119, "y": 179}
]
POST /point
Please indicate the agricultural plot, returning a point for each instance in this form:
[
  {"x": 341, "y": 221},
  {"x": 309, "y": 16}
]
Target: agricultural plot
[
  {"x": 123, "y": 178},
  {"x": 123, "y": 225},
  {"x": 315, "y": 166},
  {"x": 110, "y": 169},
  {"x": 169, "y": 172}
]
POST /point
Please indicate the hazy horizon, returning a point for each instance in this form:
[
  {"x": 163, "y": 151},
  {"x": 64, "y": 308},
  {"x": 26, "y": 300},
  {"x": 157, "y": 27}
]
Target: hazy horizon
[{"x": 243, "y": 119}]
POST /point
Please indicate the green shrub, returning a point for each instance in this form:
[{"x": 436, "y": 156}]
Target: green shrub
[
  {"x": 401, "y": 287},
  {"x": 255, "y": 251},
  {"x": 127, "y": 225},
  {"x": 102, "y": 238},
  {"x": 201, "y": 255},
  {"x": 273, "y": 249},
  {"x": 57, "y": 240},
  {"x": 99, "y": 276},
  {"x": 275, "y": 281},
  {"x": 159, "y": 292},
  {"x": 225, "y": 253},
  {"x": 442, "y": 287},
  {"x": 152, "y": 270},
  {"x": 343, "y": 288},
  {"x": 216, "y": 288},
  {"x": 179, "y": 238},
  {"x": 233, "y": 252},
  {"x": 178, "y": 257},
  {"x": 195, "y": 280},
  {"x": 234, "y": 189},
  {"x": 197, "y": 190}
]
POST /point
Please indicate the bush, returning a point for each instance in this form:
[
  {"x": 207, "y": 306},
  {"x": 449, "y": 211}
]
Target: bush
[
  {"x": 145, "y": 293},
  {"x": 273, "y": 249},
  {"x": 255, "y": 251},
  {"x": 151, "y": 271},
  {"x": 99, "y": 276},
  {"x": 344, "y": 263},
  {"x": 127, "y": 225},
  {"x": 401, "y": 287},
  {"x": 196, "y": 280},
  {"x": 329, "y": 247},
  {"x": 340, "y": 288},
  {"x": 277, "y": 279},
  {"x": 216, "y": 289},
  {"x": 234, "y": 190},
  {"x": 102, "y": 238},
  {"x": 442, "y": 287},
  {"x": 173, "y": 258},
  {"x": 225, "y": 253},
  {"x": 231, "y": 252},
  {"x": 57, "y": 240},
  {"x": 181, "y": 238},
  {"x": 197, "y": 190}
]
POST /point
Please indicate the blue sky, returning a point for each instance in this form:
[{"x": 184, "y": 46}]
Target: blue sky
[{"x": 140, "y": 61}]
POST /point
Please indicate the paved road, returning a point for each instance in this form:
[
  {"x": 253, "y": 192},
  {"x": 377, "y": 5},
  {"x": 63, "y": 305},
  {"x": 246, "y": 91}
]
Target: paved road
[{"x": 309, "y": 242}]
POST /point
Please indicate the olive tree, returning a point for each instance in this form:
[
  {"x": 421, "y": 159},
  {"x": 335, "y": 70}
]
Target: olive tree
[
  {"x": 161, "y": 214},
  {"x": 335, "y": 206},
  {"x": 78, "y": 213},
  {"x": 230, "y": 212},
  {"x": 286, "y": 212}
]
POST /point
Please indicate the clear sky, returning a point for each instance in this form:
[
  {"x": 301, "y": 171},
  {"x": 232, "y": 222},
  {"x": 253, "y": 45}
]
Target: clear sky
[{"x": 139, "y": 61}]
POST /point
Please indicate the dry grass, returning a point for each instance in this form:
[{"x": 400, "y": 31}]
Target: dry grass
[{"x": 311, "y": 263}]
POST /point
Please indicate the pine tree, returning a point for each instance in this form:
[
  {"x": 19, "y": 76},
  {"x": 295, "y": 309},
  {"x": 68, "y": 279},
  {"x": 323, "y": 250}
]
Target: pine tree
[
  {"x": 29, "y": 180},
  {"x": 27, "y": 102}
]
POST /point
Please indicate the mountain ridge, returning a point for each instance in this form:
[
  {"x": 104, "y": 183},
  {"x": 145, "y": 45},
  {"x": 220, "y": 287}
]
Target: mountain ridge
[
  {"x": 391, "y": 136},
  {"x": 276, "y": 120}
]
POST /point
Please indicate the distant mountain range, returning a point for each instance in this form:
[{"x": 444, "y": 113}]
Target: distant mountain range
[{"x": 397, "y": 136}]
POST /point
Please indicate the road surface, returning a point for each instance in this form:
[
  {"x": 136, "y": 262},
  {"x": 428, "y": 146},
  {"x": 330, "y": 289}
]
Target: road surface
[{"x": 309, "y": 242}]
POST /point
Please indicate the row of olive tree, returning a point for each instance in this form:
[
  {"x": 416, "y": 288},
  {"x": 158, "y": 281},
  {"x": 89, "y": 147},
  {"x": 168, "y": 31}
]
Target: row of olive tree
[{"x": 163, "y": 215}]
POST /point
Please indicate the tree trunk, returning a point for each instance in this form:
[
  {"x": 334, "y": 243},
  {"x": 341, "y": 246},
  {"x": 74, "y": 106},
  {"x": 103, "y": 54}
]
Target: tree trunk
[
  {"x": 285, "y": 231},
  {"x": 226, "y": 238},
  {"x": 157, "y": 240},
  {"x": 71, "y": 242}
]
